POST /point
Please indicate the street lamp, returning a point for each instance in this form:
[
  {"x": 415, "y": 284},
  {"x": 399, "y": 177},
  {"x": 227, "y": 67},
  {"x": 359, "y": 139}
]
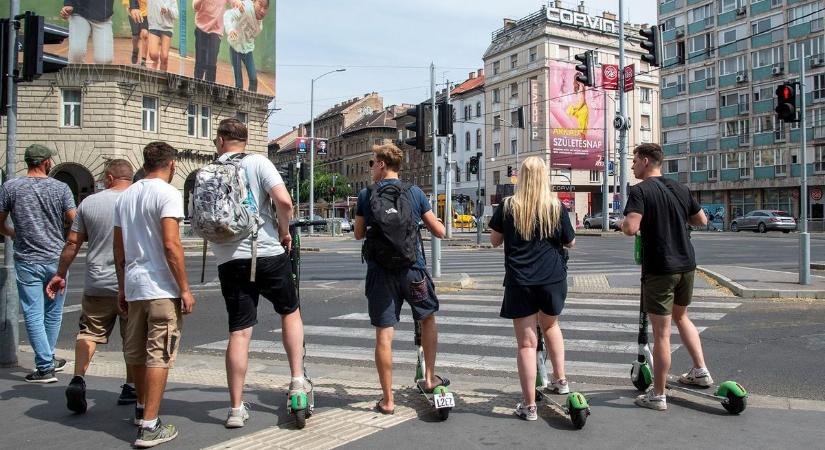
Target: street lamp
[{"x": 312, "y": 142}]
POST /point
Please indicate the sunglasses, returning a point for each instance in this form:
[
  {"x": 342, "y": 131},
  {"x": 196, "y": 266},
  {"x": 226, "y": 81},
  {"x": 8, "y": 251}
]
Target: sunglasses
[{"x": 372, "y": 163}]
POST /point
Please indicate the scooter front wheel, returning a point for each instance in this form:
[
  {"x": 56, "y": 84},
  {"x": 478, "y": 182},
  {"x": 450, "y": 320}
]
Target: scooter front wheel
[
  {"x": 578, "y": 417},
  {"x": 735, "y": 403},
  {"x": 640, "y": 376},
  {"x": 300, "y": 418}
]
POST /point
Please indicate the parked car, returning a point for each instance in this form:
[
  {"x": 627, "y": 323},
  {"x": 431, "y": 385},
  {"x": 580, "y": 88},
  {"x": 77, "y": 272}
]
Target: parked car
[
  {"x": 346, "y": 225},
  {"x": 595, "y": 221},
  {"x": 764, "y": 220}
]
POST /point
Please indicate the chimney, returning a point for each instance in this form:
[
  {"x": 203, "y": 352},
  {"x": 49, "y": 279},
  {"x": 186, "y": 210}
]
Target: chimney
[
  {"x": 480, "y": 73},
  {"x": 509, "y": 23},
  {"x": 471, "y": 75},
  {"x": 608, "y": 15},
  {"x": 581, "y": 6}
]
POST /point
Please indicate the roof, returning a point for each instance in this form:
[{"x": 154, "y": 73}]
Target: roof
[
  {"x": 468, "y": 85},
  {"x": 379, "y": 119}
]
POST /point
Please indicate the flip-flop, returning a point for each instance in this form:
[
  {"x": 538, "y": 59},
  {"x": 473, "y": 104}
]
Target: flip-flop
[
  {"x": 444, "y": 382},
  {"x": 383, "y": 410}
]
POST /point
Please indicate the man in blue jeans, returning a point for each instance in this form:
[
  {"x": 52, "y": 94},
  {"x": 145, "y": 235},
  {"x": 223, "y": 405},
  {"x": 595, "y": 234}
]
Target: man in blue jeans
[{"x": 41, "y": 208}]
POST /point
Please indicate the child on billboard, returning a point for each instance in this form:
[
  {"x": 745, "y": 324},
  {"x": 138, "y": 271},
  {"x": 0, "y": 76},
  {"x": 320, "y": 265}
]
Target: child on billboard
[
  {"x": 162, "y": 16},
  {"x": 242, "y": 26},
  {"x": 139, "y": 23},
  {"x": 208, "y": 35}
]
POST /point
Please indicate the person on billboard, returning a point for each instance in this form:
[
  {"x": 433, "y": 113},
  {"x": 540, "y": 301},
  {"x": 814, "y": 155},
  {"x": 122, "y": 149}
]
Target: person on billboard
[
  {"x": 89, "y": 17},
  {"x": 138, "y": 11},
  {"x": 242, "y": 26},
  {"x": 162, "y": 17},
  {"x": 579, "y": 111},
  {"x": 208, "y": 34}
]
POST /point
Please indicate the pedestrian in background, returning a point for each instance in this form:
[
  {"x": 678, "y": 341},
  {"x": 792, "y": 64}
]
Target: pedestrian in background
[
  {"x": 661, "y": 209},
  {"x": 89, "y": 18},
  {"x": 99, "y": 310},
  {"x": 41, "y": 209},
  {"x": 153, "y": 288},
  {"x": 536, "y": 230}
]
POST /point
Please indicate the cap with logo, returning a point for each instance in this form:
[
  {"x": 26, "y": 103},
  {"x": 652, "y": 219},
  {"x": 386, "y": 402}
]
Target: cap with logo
[{"x": 37, "y": 153}]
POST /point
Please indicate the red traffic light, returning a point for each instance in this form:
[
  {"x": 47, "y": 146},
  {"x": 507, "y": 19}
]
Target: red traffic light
[{"x": 786, "y": 93}]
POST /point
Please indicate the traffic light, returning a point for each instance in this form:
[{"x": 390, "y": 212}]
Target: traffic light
[
  {"x": 417, "y": 126},
  {"x": 521, "y": 117},
  {"x": 286, "y": 174},
  {"x": 586, "y": 69},
  {"x": 509, "y": 171},
  {"x": 786, "y": 102},
  {"x": 36, "y": 33},
  {"x": 652, "y": 42},
  {"x": 474, "y": 165},
  {"x": 445, "y": 119}
]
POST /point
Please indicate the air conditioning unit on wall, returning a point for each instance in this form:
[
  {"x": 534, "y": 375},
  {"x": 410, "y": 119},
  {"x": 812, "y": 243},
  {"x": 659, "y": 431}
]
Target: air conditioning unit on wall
[
  {"x": 740, "y": 11},
  {"x": 742, "y": 77},
  {"x": 777, "y": 69}
]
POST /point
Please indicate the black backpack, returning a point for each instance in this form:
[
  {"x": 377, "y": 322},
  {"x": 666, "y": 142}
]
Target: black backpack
[{"x": 393, "y": 233}]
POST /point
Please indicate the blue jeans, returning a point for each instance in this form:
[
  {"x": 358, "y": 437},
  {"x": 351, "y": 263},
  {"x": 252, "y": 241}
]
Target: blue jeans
[
  {"x": 43, "y": 315},
  {"x": 249, "y": 61}
]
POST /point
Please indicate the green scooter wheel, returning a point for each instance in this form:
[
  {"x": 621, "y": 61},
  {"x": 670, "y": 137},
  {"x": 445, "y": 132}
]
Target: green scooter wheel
[
  {"x": 578, "y": 417},
  {"x": 735, "y": 403},
  {"x": 643, "y": 378},
  {"x": 300, "y": 418}
]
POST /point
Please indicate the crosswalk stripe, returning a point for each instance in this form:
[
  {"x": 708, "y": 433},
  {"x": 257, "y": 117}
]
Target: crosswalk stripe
[
  {"x": 506, "y": 323},
  {"x": 585, "y": 301},
  {"x": 452, "y": 360},
  {"x": 457, "y": 307}
]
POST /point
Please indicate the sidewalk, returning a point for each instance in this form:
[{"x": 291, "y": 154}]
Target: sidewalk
[{"x": 751, "y": 282}]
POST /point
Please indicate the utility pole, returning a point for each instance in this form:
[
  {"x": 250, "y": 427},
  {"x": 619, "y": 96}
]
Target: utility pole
[
  {"x": 297, "y": 184},
  {"x": 622, "y": 110},
  {"x": 448, "y": 180},
  {"x": 9, "y": 307},
  {"x": 312, "y": 143},
  {"x": 434, "y": 241},
  {"x": 605, "y": 185},
  {"x": 478, "y": 202},
  {"x": 804, "y": 236}
]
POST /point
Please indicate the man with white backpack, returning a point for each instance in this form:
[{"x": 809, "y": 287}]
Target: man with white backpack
[{"x": 231, "y": 205}]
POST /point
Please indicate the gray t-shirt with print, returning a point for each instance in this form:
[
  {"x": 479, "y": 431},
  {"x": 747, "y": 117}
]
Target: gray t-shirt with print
[
  {"x": 37, "y": 206},
  {"x": 95, "y": 218}
]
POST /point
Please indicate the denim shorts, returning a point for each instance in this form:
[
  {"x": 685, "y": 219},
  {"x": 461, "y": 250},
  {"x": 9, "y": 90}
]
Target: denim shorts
[{"x": 386, "y": 291}]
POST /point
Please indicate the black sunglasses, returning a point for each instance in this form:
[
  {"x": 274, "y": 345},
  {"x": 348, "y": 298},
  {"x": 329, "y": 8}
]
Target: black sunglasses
[{"x": 372, "y": 163}]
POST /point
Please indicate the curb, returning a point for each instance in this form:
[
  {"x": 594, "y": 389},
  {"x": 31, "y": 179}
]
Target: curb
[
  {"x": 463, "y": 282},
  {"x": 745, "y": 292}
]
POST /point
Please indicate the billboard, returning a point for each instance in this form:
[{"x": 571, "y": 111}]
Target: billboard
[
  {"x": 228, "y": 42},
  {"x": 576, "y": 116}
]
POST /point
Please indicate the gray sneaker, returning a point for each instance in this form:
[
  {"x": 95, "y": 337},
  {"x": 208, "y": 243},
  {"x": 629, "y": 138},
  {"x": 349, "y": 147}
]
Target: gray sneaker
[
  {"x": 237, "y": 419},
  {"x": 560, "y": 386},
  {"x": 295, "y": 388},
  {"x": 697, "y": 377},
  {"x": 147, "y": 438},
  {"x": 650, "y": 400},
  {"x": 526, "y": 412}
]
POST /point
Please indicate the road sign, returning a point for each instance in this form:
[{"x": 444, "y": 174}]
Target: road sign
[
  {"x": 301, "y": 143},
  {"x": 629, "y": 77},
  {"x": 610, "y": 168},
  {"x": 615, "y": 204},
  {"x": 610, "y": 77},
  {"x": 816, "y": 194}
]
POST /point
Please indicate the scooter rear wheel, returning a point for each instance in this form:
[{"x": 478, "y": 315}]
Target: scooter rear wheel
[
  {"x": 735, "y": 404},
  {"x": 578, "y": 417},
  {"x": 643, "y": 379},
  {"x": 300, "y": 418},
  {"x": 444, "y": 413}
]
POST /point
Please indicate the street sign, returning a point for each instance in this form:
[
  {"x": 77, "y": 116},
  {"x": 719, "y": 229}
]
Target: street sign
[
  {"x": 320, "y": 147},
  {"x": 610, "y": 168},
  {"x": 629, "y": 77},
  {"x": 816, "y": 194},
  {"x": 615, "y": 204},
  {"x": 301, "y": 143},
  {"x": 610, "y": 77}
]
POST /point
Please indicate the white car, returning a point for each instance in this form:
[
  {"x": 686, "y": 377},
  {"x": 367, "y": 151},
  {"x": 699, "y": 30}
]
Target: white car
[{"x": 346, "y": 226}]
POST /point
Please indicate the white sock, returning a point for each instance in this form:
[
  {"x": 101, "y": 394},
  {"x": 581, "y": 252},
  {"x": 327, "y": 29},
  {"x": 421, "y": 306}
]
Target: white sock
[
  {"x": 139, "y": 405},
  {"x": 298, "y": 380},
  {"x": 237, "y": 410},
  {"x": 150, "y": 424}
]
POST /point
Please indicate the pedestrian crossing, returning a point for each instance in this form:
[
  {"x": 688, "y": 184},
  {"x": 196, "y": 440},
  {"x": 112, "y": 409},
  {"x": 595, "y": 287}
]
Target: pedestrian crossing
[{"x": 600, "y": 335}]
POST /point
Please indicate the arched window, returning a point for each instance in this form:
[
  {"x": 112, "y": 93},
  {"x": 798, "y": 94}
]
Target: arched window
[
  {"x": 467, "y": 142},
  {"x": 478, "y": 109},
  {"x": 478, "y": 138}
]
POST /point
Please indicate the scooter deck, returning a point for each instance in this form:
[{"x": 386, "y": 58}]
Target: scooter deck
[{"x": 675, "y": 385}]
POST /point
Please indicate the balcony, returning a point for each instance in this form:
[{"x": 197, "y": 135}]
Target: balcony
[
  {"x": 703, "y": 116},
  {"x": 726, "y": 112},
  {"x": 733, "y": 47},
  {"x": 765, "y": 139},
  {"x": 764, "y": 39},
  {"x": 673, "y": 149},
  {"x": 699, "y": 177},
  {"x": 760, "y": 7},
  {"x": 763, "y": 106},
  {"x": 672, "y": 91},
  {"x": 700, "y": 146},
  {"x": 671, "y": 6},
  {"x": 673, "y": 34},
  {"x": 804, "y": 29},
  {"x": 727, "y": 80},
  {"x": 796, "y": 170},
  {"x": 763, "y": 173},
  {"x": 729, "y": 143},
  {"x": 762, "y": 73},
  {"x": 729, "y": 175}
]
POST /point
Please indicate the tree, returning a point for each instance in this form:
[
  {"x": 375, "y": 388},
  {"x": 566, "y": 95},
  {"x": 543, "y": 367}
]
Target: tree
[{"x": 323, "y": 185}]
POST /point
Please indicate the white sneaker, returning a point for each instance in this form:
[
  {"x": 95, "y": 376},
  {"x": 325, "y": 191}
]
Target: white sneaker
[
  {"x": 526, "y": 412},
  {"x": 237, "y": 419},
  {"x": 697, "y": 377},
  {"x": 650, "y": 400},
  {"x": 560, "y": 386}
]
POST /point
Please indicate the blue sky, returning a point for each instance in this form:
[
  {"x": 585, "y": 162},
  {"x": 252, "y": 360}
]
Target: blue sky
[{"x": 387, "y": 46}]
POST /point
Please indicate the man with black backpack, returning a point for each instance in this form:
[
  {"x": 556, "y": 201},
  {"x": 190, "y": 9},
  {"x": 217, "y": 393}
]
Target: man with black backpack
[
  {"x": 231, "y": 209},
  {"x": 388, "y": 216}
]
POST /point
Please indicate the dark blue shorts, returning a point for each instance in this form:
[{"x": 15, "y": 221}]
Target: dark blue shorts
[
  {"x": 523, "y": 301},
  {"x": 386, "y": 291}
]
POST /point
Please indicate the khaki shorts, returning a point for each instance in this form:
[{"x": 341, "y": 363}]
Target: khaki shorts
[
  {"x": 660, "y": 292},
  {"x": 153, "y": 332},
  {"x": 97, "y": 319}
]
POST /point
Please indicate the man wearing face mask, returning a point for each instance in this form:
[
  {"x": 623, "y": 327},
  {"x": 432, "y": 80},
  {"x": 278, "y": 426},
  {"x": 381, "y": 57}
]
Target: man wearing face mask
[{"x": 41, "y": 209}]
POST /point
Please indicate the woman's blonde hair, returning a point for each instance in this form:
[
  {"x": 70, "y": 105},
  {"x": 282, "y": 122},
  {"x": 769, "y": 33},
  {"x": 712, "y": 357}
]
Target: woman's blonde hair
[{"x": 534, "y": 206}]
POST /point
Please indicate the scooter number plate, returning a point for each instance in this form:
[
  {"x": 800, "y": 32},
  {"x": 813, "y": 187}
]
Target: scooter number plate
[{"x": 444, "y": 401}]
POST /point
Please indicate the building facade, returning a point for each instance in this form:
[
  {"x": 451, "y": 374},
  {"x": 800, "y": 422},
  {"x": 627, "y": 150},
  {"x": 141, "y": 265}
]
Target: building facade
[
  {"x": 519, "y": 67},
  {"x": 723, "y": 62}
]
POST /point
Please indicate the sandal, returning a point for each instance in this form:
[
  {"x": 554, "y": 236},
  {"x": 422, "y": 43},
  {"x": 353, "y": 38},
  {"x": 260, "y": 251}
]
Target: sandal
[
  {"x": 383, "y": 410},
  {"x": 444, "y": 382}
]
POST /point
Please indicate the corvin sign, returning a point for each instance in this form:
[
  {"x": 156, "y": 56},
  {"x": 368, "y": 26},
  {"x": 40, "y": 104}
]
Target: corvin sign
[{"x": 581, "y": 20}]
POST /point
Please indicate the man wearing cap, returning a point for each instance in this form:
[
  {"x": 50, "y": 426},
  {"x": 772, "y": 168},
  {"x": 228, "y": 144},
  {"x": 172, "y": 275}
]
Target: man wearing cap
[{"x": 41, "y": 209}]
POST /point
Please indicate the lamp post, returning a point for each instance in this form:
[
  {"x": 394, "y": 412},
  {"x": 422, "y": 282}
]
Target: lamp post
[{"x": 312, "y": 142}]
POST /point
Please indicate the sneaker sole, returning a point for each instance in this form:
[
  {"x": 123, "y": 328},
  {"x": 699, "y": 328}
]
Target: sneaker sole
[
  {"x": 76, "y": 399},
  {"x": 43, "y": 381},
  {"x": 650, "y": 406},
  {"x": 59, "y": 369},
  {"x": 525, "y": 417},
  {"x": 126, "y": 401},
  {"x": 140, "y": 443},
  {"x": 696, "y": 383},
  {"x": 234, "y": 425}
]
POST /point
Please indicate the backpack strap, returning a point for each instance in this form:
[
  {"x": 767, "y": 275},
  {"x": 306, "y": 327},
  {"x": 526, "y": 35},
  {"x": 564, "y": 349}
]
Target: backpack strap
[{"x": 237, "y": 157}]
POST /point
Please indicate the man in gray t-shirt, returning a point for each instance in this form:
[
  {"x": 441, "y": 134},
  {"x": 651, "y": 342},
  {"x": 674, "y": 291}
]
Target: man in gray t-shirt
[
  {"x": 41, "y": 208},
  {"x": 94, "y": 224}
]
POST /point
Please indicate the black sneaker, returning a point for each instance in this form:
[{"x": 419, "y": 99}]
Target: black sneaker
[
  {"x": 76, "y": 395},
  {"x": 138, "y": 416},
  {"x": 41, "y": 376},
  {"x": 127, "y": 395},
  {"x": 59, "y": 364},
  {"x": 161, "y": 433}
]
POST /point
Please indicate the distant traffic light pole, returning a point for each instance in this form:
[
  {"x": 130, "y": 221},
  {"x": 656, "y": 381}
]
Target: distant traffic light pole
[
  {"x": 434, "y": 241},
  {"x": 804, "y": 237},
  {"x": 312, "y": 143}
]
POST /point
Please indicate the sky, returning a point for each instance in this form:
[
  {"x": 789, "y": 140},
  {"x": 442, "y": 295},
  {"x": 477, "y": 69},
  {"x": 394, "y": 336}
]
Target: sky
[{"x": 386, "y": 46}]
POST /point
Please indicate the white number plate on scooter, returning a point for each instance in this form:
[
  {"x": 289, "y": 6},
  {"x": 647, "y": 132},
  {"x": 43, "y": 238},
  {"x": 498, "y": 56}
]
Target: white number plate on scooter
[{"x": 444, "y": 401}]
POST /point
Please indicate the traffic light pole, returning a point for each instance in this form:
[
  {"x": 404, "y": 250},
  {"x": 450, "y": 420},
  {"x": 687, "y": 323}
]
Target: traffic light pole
[
  {"x": 605, "y": 185},
  {"x": 622, "y": 110},
  {"x": 435, "y": 243},
  {"x": 804, "y": 236},
  {"x": 9, "y": 307},
  {"x": 448, "y": 178}
]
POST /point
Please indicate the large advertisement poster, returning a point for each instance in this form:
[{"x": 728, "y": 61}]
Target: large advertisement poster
[
  {"x": 228, "y": 42},
  {"x": 576, "y": 115}
]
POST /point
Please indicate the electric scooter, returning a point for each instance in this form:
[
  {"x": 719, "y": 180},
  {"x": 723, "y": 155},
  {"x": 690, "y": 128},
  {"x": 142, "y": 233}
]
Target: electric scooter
[
  {"x": 730, "y": 393},
  {"x": 576, "y": 406},
  {"x": 440, "y": 398},
  {"x": 302, "y": 405}
]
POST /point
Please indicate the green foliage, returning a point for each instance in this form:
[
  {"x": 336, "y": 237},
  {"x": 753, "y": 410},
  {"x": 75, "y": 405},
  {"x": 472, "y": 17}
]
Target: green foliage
[{"x": 323, "y": 185}]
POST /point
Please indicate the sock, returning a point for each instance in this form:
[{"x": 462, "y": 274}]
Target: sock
[
  {"x": 150, "y": 424},
  {"x": 298, "y": 380},
  {"x": 139, "y": 405},
  {"x": 237, "y": 410}
]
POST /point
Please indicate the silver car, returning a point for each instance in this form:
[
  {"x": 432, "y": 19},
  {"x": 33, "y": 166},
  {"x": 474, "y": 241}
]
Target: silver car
[
  {"x": 764, "y": 220},
  {"x": 595, "y": 221}
]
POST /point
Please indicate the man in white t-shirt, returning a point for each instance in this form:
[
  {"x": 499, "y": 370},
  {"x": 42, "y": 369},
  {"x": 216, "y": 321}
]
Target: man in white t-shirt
[
  {"x": 152, "y": 284},
  {"x": 273, "y": 273}
]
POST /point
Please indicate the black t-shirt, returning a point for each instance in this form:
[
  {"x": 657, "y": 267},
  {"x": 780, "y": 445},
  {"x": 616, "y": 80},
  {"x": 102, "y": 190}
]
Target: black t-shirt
[
  {"x": 537, "y": 261},
  {"x": 666, "y": 246}
]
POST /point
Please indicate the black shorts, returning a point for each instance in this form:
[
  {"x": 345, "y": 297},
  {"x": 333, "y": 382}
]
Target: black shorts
[
  {"x": 386, "y": 291},
  {"x": 273, "y": 280},
  {"x": 160, "y": 33},
  {"x": 138, "y": 27},
  {"x": 523, "y": 301}
]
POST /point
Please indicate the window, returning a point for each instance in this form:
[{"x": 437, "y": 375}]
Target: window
[
  {"x": 513, "y": 61},
  {"x": 767, "y": 57},
  {"x": 701, "y": 43},
  {"x": 673, "y": 22},
  {"x": 644, "y": 95},
  {"x": 241, "y": 116},
  {"x": 699, "y": 163},
  {"x": 731, "y": 65},
  {"x": 72, "y": 109},
  {"x": 467, "y": 143},
  {"x": 452, "y": 150},
  {"x": 813, "y": 46},
  {"x": 478, "y": 139},
  {"x": 439, "y": 175},
  {"x": 496, "y": 122},
  {"x": 532, "y": 53},
  {"x": 496, "y": 95},
  {"x": 702, "y": 13},
  {"x": 763, "y": 93},
  {"x": 672, "y": 166},
  {"x": 727, "y": 5},
  {"x": 644, "y": 123},
  {"x": 192, "y": 120},
  {"x": 150, "y": 114},
  {"x": 496, "y": 67},
  {"x": 514, "y": 118},
  {"x": 513, "y": 89},
  {"x": 496, "y": 149},
  {"x": 804, "y": 13},
  {"x": 768, "y": 23},
  {"x": 595, "y": 176},
  {"x": 671, "y": 50},
  {"x": 478, "y": 109},
  {"x": 496, "y": 177},
  {"x": 564, "y": 53},
  {"x": 467, "y": 112},
  {"x": 702, "y": 103},
  {"x": 467, "y": 171},
  {"x": 206, "y": 122},
  {"x": 457, "y": 174},
  {"x": 819, "y": 158},
  {"x": 819, "y": 86},
  {"x": 674, "y": 108},
  {"x": 513, "y": 146},
  {"x": 704, "y": 132},
  {"x": 763, "y": 124}
]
